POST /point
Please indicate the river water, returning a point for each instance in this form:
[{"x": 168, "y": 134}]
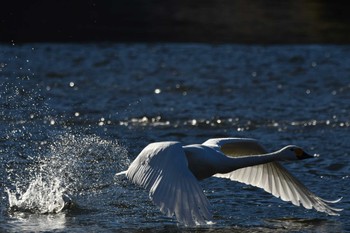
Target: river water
[{"x": 73, "y": 115}]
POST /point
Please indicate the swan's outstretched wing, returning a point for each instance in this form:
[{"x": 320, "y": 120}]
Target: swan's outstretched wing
[
  {"x": 236, "y": 146},
  {"x": 272, "y": 177},
  {"x": 162, "y": 169}
]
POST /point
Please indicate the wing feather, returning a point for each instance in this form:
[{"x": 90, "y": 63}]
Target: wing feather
[
  {"x": 162, "y": 169},
  {"x": 272, "y": 177}
]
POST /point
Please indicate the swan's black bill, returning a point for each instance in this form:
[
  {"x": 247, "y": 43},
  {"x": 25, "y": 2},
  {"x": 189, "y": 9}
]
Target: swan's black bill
[{"x": 305, "y": 155}]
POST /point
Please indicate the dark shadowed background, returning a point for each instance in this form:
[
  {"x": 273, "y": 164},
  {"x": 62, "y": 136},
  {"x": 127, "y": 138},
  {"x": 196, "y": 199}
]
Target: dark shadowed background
[{"x": 220, "y": 21}]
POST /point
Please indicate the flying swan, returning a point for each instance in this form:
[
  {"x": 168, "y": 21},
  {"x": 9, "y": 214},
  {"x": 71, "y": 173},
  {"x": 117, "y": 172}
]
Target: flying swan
[{"x": 170, "y": 171}]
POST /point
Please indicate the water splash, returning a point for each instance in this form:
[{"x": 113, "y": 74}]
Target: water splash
[
  {"x": 42, "y": 196},
  {"x": 70, "y": 167}
]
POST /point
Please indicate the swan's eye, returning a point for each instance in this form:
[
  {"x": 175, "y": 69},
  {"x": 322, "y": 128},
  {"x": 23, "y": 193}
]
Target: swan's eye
[{"x": 298, "y": 152}]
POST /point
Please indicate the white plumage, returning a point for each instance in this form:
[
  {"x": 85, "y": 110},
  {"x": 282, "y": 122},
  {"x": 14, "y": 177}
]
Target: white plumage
[{"x": 171, "y": 172}]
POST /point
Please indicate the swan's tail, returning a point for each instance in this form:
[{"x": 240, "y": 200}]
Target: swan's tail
[{"x": 121, "y": 173}]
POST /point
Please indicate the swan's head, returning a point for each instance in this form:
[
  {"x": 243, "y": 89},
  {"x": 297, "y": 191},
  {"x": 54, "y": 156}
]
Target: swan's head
[{"x": 294, "y": 153}]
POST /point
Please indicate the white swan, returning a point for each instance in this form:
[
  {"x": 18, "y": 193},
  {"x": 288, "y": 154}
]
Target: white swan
[{"x": 171, "y": 172}]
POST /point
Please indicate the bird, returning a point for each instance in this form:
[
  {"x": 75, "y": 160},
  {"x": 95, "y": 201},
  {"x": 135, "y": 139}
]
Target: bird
[{"x": 171, "y": 172}]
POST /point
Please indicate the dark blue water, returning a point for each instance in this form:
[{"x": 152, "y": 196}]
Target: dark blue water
[{"x": 73, "y": 115}]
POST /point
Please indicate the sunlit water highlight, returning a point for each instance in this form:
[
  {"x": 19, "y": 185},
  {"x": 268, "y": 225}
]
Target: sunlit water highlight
[{"x": 74, "y": 115}]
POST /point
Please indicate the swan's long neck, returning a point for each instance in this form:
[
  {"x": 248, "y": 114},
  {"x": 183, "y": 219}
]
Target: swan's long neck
[
  {"x": 234, "y": 163},
  {"x": 204, "y": 161}
]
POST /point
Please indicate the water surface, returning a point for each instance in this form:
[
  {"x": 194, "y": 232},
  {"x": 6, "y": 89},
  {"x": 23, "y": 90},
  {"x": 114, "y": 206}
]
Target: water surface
[{"x": 73, "y": 115}]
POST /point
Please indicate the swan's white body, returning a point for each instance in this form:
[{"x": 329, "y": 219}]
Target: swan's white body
[{"x": 171, "y": 172}]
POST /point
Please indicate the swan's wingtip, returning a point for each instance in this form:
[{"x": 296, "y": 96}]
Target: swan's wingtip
[
  {"x": 121, "y": 173},
  {"x": 331, "y": 210},
  {"x": 333, "y": 201},
  {"x": 335, "y": 212},
  {"x": 338, "y": 200}
]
